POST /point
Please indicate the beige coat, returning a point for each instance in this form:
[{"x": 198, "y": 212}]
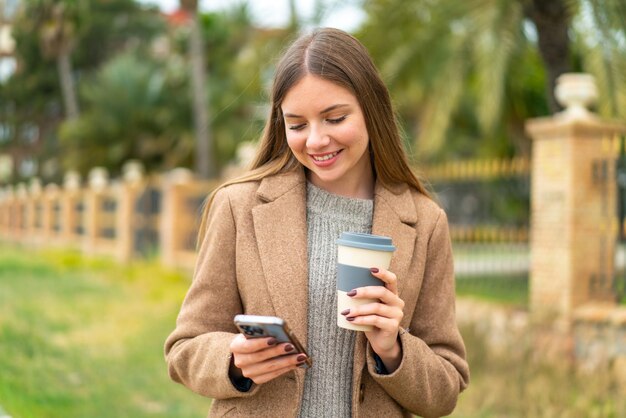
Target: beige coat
[{"x": 254, "y": 260}]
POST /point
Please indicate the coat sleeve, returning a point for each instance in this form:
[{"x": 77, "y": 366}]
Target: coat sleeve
[
  {"x": 197, "y": 351},
  {"x": 433, "y": 370}
]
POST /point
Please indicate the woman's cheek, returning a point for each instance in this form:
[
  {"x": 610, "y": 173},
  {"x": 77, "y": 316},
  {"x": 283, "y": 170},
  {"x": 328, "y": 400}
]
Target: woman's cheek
[
  {"x": 296, "y": 142},
  {"x": 348, "y": 135}
]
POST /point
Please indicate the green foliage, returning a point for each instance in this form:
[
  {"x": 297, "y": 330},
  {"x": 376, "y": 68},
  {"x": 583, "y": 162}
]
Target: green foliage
[
  {"x": 236, "y": 62},
  {"x": 135, "y": 98},
  {"x": 31, "y": 105},
  {"x": 601, "y": 37},
  {"x": 134, "y": 110},
  {"x": 449, "y": 70},
  {"x": 466, "y": 75},
  {"x": 139, "y": 105},
  {"x": 84, "y": 338}
]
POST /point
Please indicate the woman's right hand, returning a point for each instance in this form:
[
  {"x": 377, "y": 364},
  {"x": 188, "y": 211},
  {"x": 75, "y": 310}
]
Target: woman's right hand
[{"x": 262, "y": 359}]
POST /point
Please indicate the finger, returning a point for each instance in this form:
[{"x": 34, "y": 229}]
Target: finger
[
  {"x": 377, "y": 292},
  {"x": 380, "y": 309},
  {"x": 270, "y": 366},
  {"x": 380, "y": 322},
  {"x": 243, "y": 360},
  {"x": 266, "y": 377},
  {"x": 390, "y": 279},
  {"x": 243, "y": 345}
]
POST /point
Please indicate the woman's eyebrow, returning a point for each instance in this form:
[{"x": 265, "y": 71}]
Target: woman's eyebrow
[{"x": 328, "y": 109}]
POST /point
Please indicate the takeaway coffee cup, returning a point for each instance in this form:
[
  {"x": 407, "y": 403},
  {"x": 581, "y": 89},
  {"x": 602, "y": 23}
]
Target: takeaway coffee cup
[{"x": 356, "y": 254}]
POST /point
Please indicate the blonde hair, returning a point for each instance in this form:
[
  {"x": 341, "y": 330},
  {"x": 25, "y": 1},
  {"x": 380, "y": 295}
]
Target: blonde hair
[{"x": 336, "y": 56}]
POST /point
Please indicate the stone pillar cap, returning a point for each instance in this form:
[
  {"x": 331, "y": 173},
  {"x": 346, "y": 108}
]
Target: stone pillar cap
[
  {"x": 133, "y": 171},
  {"x": 98, "y": 178},
  {"x": 35, "y": 187},
  {"x": 20, "y": 190},
  {"x": 180, "y": 175},
  {"x": 71, "y": 180},
  {"x": 51, "y": 189},
  {"x": 576, "y": 91}
]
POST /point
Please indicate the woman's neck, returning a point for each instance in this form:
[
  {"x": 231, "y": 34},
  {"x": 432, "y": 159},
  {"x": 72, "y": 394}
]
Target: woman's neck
[{"x": 359, "y": 188}]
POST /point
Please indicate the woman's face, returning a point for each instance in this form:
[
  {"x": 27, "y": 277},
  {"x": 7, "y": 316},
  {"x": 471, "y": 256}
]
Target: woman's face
[{"x": 326, "y": 132}]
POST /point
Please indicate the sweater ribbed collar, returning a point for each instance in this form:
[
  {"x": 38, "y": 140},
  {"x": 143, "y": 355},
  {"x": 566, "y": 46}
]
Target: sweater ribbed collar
[{"x": 321, "y": 202}]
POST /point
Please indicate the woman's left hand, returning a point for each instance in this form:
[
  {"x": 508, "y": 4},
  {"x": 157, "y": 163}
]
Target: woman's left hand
[{"x": 385, "y": 315}]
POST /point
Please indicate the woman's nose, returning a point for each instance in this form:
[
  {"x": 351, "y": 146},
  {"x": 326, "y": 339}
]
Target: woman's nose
[{"x": 317, "y": 138}]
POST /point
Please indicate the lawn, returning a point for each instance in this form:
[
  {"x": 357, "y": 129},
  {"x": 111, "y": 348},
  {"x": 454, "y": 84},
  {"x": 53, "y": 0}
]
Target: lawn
[
  {"x": 519, "y": 382},
  {"x": 509, "y": 290},
  {"x": 84, "y": 338}
]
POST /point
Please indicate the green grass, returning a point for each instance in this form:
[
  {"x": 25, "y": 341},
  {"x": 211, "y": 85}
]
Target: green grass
[
  {"x": 84, "y": 338},
  {"x": 505, "y": 290},
  {"x": 511, "y": 290},
  {"x": 520, "y": 382}
]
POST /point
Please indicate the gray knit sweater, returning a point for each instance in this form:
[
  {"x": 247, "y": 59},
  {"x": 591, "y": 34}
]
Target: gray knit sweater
[{"x": 328, "y": 384}]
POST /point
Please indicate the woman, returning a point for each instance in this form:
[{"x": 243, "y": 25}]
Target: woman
[{"x": 330, "y": 160}]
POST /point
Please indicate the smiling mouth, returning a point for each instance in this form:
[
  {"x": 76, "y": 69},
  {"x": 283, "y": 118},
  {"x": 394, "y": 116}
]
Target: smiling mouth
[{"x": 325, "y": 157}]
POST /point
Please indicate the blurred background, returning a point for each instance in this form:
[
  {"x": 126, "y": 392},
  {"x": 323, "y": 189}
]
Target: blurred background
[{"x": 118, "y": 117}]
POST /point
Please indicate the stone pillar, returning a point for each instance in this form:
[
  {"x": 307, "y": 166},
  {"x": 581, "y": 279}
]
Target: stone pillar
[
  {"x": 132, "y": 183},
  {"x": 4, "y": 212},
  {"x": 70, "y": 219},
  {"x": 573, "y": 204},
  {"x": 98, "y": 183},
  {"x": 35, "y": 210},
  {"x": 49, "y": 215},
  {"x": 21, "y": 209},
  {"x": 173, "y": 201}
]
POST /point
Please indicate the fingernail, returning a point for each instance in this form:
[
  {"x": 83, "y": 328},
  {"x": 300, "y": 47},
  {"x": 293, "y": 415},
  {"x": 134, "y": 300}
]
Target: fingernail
[
  {"x": 301, "y": 358},
  {"x": 345, "y": 312},
  {"x": 350, "y": 319},
  {"x": 301, "y": 363},
  {"x": 374, "y": 270},
  {"x": 351, "y": 293},
  {"x": 289, "y": 348},
  {"x": 272, "y": 341}
]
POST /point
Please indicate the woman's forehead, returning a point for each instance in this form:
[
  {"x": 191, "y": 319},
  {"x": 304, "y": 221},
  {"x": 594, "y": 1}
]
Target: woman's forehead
[{"x": 317, "y": 94}]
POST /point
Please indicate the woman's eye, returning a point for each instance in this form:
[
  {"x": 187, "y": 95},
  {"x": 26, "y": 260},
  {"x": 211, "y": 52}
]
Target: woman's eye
[
  {"x": 336, "y": 120},
  {"x": 296, "y": 127}
]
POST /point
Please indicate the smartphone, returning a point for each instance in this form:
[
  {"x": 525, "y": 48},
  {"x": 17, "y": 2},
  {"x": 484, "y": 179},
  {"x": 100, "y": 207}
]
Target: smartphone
[{"x": 257, "y": 326}]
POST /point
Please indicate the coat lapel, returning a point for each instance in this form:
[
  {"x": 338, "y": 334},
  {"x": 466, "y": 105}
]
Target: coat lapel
[
  {"x": 280, "y": 228},
  {"x": 394, "y": 216}
]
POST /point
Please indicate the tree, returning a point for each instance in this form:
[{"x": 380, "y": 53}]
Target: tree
[
  {"x": 135, "y": 111},
  {"x": 137, "y": 104},
  {"x": 57, "y": 35},
  {"x": 32, "y": 102},
  {"x": 452, "y": 63},
  {"x": 204, "y": 160}
]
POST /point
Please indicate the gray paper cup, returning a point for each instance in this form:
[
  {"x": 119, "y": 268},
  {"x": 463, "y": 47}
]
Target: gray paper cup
[{"x": 356, "y": 254}]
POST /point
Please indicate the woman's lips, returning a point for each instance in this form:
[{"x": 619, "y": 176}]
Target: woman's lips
[{"x": 324, "y": 160}]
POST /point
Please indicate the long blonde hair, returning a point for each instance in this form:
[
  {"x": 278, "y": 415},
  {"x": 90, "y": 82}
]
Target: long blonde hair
[{"x": 336, "y": 56}]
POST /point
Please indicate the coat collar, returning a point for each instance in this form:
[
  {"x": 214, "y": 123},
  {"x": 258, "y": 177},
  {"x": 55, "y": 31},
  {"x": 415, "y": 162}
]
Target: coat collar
[{"x": 280, "y": 228}]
